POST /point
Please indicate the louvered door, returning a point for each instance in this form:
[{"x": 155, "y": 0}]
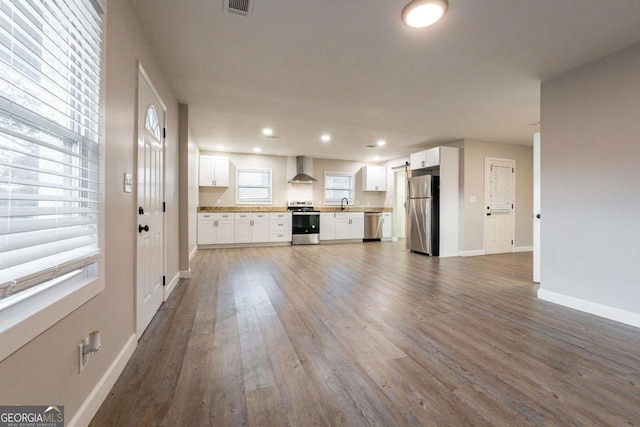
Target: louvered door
[{"x": 499, "y": 205}]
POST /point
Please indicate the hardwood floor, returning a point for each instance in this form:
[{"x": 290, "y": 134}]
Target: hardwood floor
[{"x": 369, "y": 334}]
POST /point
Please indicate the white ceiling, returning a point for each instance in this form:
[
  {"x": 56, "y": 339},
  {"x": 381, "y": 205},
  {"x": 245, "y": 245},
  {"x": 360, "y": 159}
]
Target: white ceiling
[{"x": 350, "y": 68}]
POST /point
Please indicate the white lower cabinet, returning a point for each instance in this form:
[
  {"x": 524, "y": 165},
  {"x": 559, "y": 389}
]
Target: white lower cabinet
[
  {"x": 251, "y": 227},
  {"x": 215, "y": 228},
  {"x": 342, "y": 226},
  {"x": 243, "y": 227},
  {"x": 327, "y": 226},
  {"x": 387, "y": 225},
  {"x": 280, "y": 227}
]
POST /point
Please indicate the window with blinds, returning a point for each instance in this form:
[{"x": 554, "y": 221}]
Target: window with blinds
[
  {"x": 501, "y": 191},
  {"x": 337, "y": 186},
  {"x": 254, "y": 186},
  {"x": 49, "y": 142}
]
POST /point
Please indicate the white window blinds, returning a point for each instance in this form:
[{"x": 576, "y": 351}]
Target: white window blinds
[
  {"x": 501, "y": 195},
  {"x": 254, "y": 186},
  {"x": 337, "y": 186},
  {"x": 49, "y": 152}
]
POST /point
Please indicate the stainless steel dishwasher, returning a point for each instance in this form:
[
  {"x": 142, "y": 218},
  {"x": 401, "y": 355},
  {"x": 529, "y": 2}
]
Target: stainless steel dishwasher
[{"x": 372, "y": 225}]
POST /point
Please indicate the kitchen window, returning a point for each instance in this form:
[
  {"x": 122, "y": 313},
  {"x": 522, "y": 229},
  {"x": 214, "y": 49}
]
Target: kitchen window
[
  {"x": 254, "y": 186},
  {"x": 50, "y": 185},
  {"x": 337, "y": 185}
]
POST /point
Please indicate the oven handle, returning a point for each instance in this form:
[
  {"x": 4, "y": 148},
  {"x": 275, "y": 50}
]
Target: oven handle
[{"x": 306, "y": 213}]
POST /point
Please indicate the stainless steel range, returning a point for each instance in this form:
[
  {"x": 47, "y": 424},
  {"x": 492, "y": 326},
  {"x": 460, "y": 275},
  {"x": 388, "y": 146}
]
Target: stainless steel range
[{"x": 305, "y": 223}]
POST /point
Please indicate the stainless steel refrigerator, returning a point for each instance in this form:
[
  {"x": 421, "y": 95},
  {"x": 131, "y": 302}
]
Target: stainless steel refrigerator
[{"x": 422, "y": 211}]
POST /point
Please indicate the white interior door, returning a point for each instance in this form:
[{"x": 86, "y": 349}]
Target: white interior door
[
  {"x": 150, "y": 232},
  {"x": 536, "y": 207},
  {"x": 499, "y": 202},
  {"x": 399, "y": 213}
]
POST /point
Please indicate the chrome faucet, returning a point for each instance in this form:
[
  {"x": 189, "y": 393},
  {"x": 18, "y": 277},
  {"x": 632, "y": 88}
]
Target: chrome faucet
[{"x": 344, "y": 199}]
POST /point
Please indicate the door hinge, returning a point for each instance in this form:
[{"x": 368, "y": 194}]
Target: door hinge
[
  {"x": 164, "y": 281},
  {"x": 164, "y": 133},
  {"x": 511, "y": 205},
  {"x": 512, "y": 242},
  {"x": 513, "y": 170},
  {"x": 164, "y": 206}
]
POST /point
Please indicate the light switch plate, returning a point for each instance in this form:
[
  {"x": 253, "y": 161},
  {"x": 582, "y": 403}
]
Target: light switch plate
[
  {"x": 473, "y": 199},
  {"x": 128, "y": 183}
]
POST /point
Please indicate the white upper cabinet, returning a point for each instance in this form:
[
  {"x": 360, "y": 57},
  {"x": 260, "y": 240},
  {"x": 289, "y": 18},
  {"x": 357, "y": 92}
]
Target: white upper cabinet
[
  {"x": 425, "y": 159},
  {"x": 214, "y": 171},
  {"x": 374, "y": 178}
]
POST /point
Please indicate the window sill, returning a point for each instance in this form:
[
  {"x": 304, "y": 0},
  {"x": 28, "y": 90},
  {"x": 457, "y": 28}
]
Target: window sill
[{"x": 35, "y": 311}]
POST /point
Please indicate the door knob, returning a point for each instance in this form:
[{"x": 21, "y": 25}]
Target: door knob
[
  {"x": 538, "y": 216},
  {"x": 140, "y": 211},
  {"x": 143, "y": 228},
  {"x": 488, "y": 213}
]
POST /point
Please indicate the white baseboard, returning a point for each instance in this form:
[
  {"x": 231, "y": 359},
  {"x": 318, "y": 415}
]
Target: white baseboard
[
  {"x": 172, "y": 284},
  {"x": 185, "y": 274},
  {"x": 611, "y": 313},
  {"x": 100, "y": 392},
  {"x": 193, "y": 253},
  {"x": 523, "y": 249},
  {"x": 478, "y": 252},
  {"x": 446, "y": 255}
]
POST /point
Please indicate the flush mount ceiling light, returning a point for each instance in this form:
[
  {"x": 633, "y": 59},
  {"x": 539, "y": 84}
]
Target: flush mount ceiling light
[
  {"x": 267, "y": 131},
  {"x": 257, "y": 150},
  {"x": 381, "y": 143},
  {"x": 325, "y": 138},
  {"x": 422, "y": 13}
]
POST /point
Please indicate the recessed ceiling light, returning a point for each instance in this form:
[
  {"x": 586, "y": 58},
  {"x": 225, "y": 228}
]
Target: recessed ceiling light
[
  {"x": 267, "y": 131},
  {"x": 376, "y": 158},
  {"x": 257, "y": 149},
  {"x": 221, "y": 147},
  {"x": 326, "y": 137},
  {"x": 422, "y": 13},
  {"x": 381, "y": 143}
]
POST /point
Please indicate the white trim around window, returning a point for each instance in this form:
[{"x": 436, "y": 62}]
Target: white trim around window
[
  {"x": 338, "y": 185},
  {"x": 51, "y": 190},
  {"x": 254, "y": 186}
]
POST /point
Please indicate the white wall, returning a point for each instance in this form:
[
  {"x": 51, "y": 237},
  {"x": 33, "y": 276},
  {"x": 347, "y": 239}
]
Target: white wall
[
  {"x": 188, "y": 151},
  {"x": 590, "y": 156},
  {"x": 194, "y": 193},
  {"x": 46, "y": 369},
  {"x": 226, "y": 196},
  {"x": 361, "y": 198},
  {"x": 473, "y": 156},
  {"x": 283, "y": 170}
]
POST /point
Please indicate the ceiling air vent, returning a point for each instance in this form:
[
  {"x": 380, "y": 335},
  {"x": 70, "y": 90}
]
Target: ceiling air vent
[{"x": 239, "y": 7}]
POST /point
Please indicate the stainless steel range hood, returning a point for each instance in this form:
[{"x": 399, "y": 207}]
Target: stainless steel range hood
[{"x": 301, "y": 177}]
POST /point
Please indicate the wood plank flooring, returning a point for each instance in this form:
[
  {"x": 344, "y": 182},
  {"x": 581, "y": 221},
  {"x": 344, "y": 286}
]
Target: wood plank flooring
[{"x": 372, "y": 335}]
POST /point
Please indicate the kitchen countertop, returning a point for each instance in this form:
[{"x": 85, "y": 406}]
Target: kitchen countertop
[
  {"x": 353, "y": 209},
  {"x": 284, "y": 209}
]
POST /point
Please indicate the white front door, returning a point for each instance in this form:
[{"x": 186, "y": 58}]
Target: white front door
[
  {"x": 536, "y": 207},
  {"x": 150, "y": 247},
  {"x": 499, "y": 203}
]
